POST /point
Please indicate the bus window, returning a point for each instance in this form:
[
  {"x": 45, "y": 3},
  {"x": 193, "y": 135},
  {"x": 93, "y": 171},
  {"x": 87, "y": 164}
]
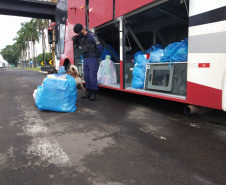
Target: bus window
[{"x": 62, "y": 35}]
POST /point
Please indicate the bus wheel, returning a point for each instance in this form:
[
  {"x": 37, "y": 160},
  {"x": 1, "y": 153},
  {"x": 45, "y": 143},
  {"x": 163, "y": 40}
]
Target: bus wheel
[{"x": 67, "y": 65}]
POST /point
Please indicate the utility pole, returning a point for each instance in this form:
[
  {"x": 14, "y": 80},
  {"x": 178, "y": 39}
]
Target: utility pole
[
  {"x": 51, "y": 27},
  {"x": 29, "y": 54},
  {"x": 51, "y": 33},
  {"x": 53, "y": 49}
]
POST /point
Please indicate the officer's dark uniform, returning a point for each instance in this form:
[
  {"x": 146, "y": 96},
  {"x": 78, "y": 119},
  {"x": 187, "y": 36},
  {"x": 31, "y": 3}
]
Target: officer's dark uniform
[{"x": 91, "y": 50}]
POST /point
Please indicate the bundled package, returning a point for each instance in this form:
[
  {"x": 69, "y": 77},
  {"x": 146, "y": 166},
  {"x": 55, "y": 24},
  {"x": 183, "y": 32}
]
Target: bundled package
[
  {"x": 139, "y": 69},
  {"x": 155, "y": 55},
  {"x": 107, "y": 72},
  {"x": 57, "y": 93},
  {"x": 176, "y": 52}
]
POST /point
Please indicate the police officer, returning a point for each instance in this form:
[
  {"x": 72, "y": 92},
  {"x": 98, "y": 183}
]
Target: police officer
[{"x": 91, "y": 51}]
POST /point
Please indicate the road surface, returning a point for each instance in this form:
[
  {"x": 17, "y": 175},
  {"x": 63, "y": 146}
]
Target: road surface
[{"x": 120, "y": 139}]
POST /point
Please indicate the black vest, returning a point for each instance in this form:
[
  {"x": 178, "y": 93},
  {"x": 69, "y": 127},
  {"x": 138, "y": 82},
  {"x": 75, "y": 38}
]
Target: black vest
[{"x": 88, "y": 47}]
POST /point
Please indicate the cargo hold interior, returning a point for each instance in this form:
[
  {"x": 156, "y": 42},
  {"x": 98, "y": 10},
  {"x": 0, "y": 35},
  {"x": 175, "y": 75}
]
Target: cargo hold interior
[{"x": 161, "y": 24}]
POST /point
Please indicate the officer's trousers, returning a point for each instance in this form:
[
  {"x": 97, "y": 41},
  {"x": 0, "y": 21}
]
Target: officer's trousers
[{"x": 90, "y": 67}]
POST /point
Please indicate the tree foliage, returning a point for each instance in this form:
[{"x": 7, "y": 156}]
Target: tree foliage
[
  {"x": 42, "y": 24},
  {"x": 11, "y": 54},
  {"x": 48, "y": 56},
  {"x": 29, "y": 31}
]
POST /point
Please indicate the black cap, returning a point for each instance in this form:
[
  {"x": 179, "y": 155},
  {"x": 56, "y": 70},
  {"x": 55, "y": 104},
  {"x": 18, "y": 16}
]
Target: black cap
[{"x": 78, "y": 28}]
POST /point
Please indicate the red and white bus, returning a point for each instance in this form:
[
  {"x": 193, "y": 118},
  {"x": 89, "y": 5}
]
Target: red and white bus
[{"x": 138, "y": 25}]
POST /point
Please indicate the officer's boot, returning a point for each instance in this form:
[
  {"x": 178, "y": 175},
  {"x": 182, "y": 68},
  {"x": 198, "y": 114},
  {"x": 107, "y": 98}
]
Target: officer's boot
[
  {"x": 93, "y": 96},
  {"x": 87, "y": 94}
]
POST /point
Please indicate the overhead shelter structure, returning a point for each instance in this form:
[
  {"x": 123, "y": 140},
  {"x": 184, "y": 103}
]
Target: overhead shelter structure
[{"x": 28, "y": 8}]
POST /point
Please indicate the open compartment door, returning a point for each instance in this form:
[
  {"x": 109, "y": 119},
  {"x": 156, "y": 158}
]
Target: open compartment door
[
  {"x": 100, "y": 12},
  {"x": 109, "y": 37}
]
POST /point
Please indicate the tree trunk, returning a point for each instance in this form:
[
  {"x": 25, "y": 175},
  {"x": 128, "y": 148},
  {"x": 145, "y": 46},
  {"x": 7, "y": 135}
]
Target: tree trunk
[
  {"x": 29, "y": 51},
  {"x": 33, "y": 54},
  {"x": 21, "y": 57},
  {"x": 43, "y": 47}
]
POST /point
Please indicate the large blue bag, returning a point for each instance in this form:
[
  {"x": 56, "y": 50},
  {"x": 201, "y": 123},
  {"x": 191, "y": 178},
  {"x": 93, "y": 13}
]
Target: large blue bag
[
  {"x": 152, "y": 48},
  {"x": 181, "y": 53},
  {"x": 139, "y": 58},
  {"x": 139, "y": 70},
  {"x": 176, "y": 52},
  {"x": 156, "y": 55},
  {"x": 57, "y": 94},
  {"x": 138, "y": 83},
  {"x": 107, "y": 52}
]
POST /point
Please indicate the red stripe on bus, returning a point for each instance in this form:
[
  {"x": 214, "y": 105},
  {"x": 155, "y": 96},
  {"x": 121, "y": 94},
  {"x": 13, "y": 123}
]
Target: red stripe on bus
[
  {"x": 121, "y": 74},
  {"x": 204, "y": 96},
  {"x": 145, "y": 93},
  {"x": 204, "y": 65}
]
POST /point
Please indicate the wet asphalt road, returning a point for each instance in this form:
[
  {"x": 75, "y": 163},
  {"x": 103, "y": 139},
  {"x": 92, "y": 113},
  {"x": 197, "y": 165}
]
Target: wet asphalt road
[{"x": 120, "y": 139}]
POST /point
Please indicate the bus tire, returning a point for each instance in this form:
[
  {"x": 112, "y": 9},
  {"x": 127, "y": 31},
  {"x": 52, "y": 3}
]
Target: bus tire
[{"x": 67, "y": 64}]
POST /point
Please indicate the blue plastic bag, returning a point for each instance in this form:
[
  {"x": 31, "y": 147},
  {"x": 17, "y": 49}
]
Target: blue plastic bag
[
  {"x": 139, "y": 58},
  {"x": 61, "y": 70},
  {"x": 57, "y": 94},
  {"x": 153, "y": 48},
  {"x": 116, "y": 54},
  {"x": 138, "y": 83},
  {"x": 107, "y": 52},
  {"x": 176, "y": 52},
  {"x": 139, "y": 70},
  {"x": 138, "y": 77},
  {"x": 155, "y": 55},
  {"x": 81, "y": 59},
  {"x": 181, "y": 53}
]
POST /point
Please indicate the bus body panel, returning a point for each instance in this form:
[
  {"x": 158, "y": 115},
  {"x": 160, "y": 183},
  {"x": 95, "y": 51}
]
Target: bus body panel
[
  {"x": 100, "y": 12},
  {"x": 68, "y": 52},
  {"x": 126, "y": 6},
  {"x": 205, "y": 96},
  {"x": 224, "y": 92},
  {"x": 206, "y": 53},
  {"x": 145, "y": 93},
  {"x": 76, "y": 14},
  {"x": 206, "y": 67}
]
